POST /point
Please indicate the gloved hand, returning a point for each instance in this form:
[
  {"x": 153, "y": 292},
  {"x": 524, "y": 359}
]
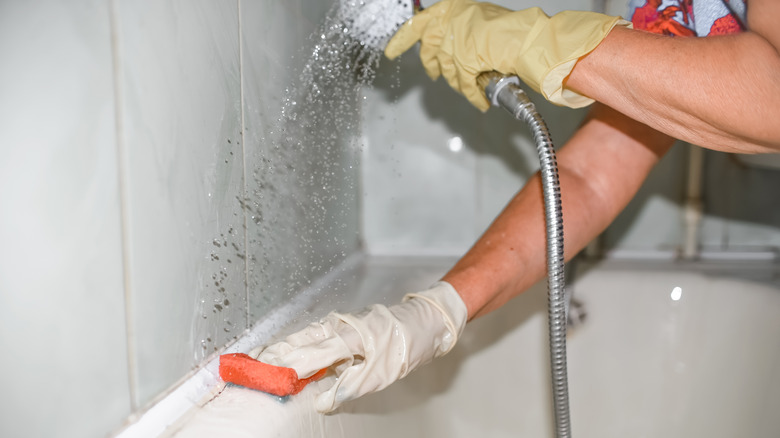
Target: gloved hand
[
  {"x": 372, "y": 349},
  {"x": 462, "y": 38}
]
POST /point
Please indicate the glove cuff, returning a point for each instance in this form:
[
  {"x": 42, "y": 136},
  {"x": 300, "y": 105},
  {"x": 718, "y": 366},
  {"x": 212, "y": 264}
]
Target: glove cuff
[
  {"x": 593, "y": 28},
  {"x": 443, "y": 297}
]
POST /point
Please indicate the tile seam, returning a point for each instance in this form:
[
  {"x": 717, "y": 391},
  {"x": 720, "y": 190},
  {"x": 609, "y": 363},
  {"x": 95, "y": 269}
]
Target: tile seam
[{"x": 123, "y": 191}]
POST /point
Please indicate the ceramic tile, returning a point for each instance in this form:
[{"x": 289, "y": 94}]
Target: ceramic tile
[
  {"x": 751, "y": 234},
  {"x": 653, "y": 219},
  {"x": 182, "y": 123},
  {"x": 503, "y": 154},
  {"x": 714, "y": 231},
  {"x": 61, "y": 292},
  {"x": 302, "y": 123},
  {"x": 419, "y": 164},
  {"x": 409, "y": 122},
  {"x": 744, "y": 199},
  {"x": 497, "y": 183},
  {"x": 612, "y": 7},
  {"x": 508, "y": 155}
]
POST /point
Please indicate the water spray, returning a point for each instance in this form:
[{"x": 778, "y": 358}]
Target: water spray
[{"x": 373, "y": 23}]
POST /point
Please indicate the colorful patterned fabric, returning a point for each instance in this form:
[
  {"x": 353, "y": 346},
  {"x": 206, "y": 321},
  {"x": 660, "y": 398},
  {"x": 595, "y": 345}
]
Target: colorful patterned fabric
[{"x": 689, "y": 17}]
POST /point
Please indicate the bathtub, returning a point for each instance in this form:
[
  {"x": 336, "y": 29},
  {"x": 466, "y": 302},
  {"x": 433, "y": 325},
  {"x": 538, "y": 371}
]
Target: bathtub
[{"x": 665, "y": 350}]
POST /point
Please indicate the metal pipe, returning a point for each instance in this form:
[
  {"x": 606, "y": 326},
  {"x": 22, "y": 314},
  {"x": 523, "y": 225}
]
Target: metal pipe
[
  {"x": 692, "y": 209},
  {"x": 505, "y": 92}
]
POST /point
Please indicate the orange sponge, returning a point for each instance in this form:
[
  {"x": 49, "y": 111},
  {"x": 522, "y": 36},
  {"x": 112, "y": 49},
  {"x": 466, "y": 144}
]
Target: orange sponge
[{"x": 241, "y": 369}]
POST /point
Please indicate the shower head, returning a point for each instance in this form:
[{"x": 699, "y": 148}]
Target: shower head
[{"x": 373, "y": 22}]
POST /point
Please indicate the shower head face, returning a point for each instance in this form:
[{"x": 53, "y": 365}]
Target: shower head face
[{"x": 373, "y": 22}]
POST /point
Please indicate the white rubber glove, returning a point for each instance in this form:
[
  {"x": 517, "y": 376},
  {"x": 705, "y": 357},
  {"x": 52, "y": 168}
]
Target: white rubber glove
[{"x": 371, "y": 349}]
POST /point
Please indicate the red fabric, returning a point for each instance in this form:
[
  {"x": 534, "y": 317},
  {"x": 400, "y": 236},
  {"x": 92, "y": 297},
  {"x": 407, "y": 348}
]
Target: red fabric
[
  {"x": 725, "y": 25},
  {"x": 676, "y": 18},
  {"x": 649, "y": 18}
]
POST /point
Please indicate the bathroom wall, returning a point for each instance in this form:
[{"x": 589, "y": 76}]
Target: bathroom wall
[
  {"x": 437, "y": 171},
  {"x": 62, "y": 304},
  {"x": 156, "y": 202},
  {"x": 741, "y": 205}
]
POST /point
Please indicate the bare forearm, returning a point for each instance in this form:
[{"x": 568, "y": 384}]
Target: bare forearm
[
  {"x": 600, "y": 170},
  {"x": 718, "y": 92}
]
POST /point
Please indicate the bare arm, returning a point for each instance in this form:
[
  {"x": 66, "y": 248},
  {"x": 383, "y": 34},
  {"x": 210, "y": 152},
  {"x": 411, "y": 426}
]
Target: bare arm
[
  {"x": 600, "y": 170},
  {"x": 719, "y": 92}
]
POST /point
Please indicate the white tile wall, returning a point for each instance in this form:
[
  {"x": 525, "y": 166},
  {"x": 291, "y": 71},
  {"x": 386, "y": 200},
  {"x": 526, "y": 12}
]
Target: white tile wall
[
  {"x": 654, "y": 219},
  {"x": 436, "y": 170},
  {"x": 740, "y": 204},
  {"x": 62, "y": 319},
  {"x": 508, "y": 155},
  {"x": 181, "y": 109},
  {"x": 175, "y": 162},
  {"x": 419, "y": 196},
  {"x": 302, "y": 159}
]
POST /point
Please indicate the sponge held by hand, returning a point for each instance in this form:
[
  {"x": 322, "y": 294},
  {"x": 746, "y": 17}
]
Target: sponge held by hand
[{"x": 242, "y": 369}]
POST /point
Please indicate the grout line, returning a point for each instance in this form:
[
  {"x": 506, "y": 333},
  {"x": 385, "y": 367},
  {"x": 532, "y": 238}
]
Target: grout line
[
  {"x": 360, "y": 191},
  {"x": 124, "y": 208},
  {"x": 244, "y": 163}
]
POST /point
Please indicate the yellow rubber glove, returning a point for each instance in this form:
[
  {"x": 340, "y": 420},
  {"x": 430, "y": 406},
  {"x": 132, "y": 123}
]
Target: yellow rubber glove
[{"x": 462, "y": 38}]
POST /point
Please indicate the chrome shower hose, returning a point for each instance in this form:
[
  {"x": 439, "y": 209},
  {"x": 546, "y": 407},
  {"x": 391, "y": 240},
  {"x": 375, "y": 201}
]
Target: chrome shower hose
[{"x": 505, "y": 92}]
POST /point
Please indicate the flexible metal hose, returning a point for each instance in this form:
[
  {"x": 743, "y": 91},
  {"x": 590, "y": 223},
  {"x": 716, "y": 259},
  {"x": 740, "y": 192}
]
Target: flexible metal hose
[
  {"x": 505, "y": 92},
  {"x": 375, "y": 30}
]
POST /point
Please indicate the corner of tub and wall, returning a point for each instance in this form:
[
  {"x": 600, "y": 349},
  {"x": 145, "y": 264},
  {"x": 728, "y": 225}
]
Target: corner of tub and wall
[{"x": 130, "y": 132}]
